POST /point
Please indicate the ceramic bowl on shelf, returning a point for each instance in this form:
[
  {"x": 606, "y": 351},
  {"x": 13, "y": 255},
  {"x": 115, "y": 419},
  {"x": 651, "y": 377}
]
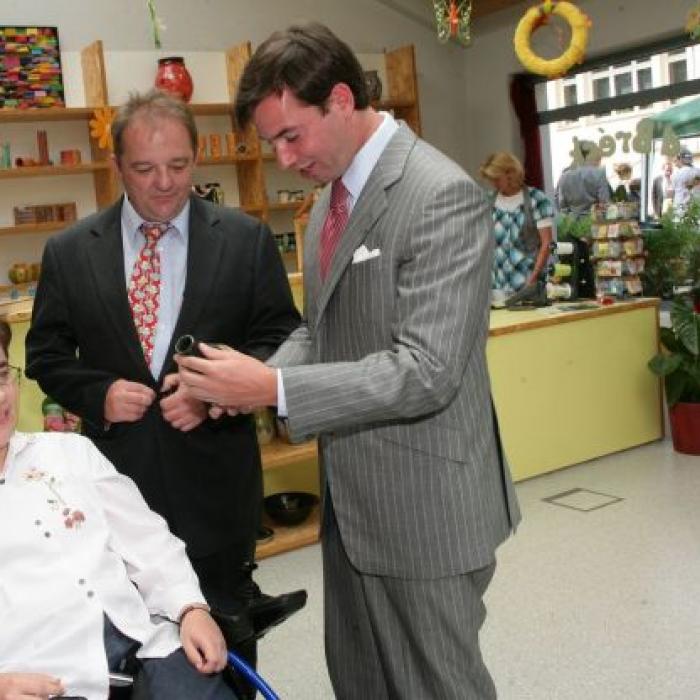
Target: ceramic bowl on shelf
[{"x": 291, "y": 507}]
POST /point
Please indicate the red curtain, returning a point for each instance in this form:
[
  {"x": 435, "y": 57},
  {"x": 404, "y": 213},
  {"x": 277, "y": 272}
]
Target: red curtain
[{"x": 522, "y": 97}]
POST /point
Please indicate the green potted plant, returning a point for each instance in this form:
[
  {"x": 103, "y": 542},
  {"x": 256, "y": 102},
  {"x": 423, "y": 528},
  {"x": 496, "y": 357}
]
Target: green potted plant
[
  {"x": 679, "y": 365},
  {"x": 570, "y": 227},
  {"x": 673, "y": 253}
]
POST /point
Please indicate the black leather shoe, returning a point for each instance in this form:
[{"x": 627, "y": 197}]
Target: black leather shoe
[{"x": 262, "y": 614}]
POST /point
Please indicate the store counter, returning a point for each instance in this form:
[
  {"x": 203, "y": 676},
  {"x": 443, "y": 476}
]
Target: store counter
[{"x": 572, "y": 385}]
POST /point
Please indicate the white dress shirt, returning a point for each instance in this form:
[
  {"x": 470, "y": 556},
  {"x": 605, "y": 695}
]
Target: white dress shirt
[
  {"x": 172, "y": 248},
  {"x": 354, "y": 179},
  {"x": 75, "y": 536}
]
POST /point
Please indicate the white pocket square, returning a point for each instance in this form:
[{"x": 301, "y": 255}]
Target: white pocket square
[{"x": 364, "y": 253}]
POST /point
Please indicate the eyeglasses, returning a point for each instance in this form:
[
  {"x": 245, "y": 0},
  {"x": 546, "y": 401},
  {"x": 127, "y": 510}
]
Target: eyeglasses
[{"x": 10, "y": 375}]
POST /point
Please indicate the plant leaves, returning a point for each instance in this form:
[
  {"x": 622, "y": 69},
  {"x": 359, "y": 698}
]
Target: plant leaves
[
  {"x": 675, "y": 386},
  {"x": 663, "y": 365},
  {"x": 686, "y": 326},
  {"x": 669, "y": 341}
]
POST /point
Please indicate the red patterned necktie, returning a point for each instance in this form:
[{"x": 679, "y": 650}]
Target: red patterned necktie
[
  {"x": 333, "y": 226},
  {"x": 144, "y": 287}
]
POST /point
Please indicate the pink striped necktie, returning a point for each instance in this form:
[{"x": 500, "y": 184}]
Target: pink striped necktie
[
  {"x": 144, "y": 287},
  {"x": 333, "y": 226}
]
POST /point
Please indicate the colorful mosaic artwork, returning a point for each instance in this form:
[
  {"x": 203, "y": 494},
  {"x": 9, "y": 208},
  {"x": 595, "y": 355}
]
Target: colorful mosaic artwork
[{"x": 30, "y": 68}]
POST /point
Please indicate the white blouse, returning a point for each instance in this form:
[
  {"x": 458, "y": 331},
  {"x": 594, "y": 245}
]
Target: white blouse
[{"x": 75, "y": 536}]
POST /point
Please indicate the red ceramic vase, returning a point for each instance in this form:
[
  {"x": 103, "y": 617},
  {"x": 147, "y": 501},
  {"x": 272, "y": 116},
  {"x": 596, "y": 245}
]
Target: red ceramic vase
[{"x": 174, "y": 78}]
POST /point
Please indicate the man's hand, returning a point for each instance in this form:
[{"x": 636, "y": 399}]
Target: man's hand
[
  {"x": 202, "y": 641},
  {"x": 28, "y": 686},
  {"x": 180, "y": 409},
  {"x": 228, "y": 378},
  {"x": 127, "y": 401}
]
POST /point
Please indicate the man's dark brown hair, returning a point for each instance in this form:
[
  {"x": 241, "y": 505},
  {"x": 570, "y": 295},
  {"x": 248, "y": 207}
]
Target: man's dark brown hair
[{"x": 308, "y": 60}]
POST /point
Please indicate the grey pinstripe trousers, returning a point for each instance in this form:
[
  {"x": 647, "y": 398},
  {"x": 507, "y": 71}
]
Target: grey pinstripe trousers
[{"x": 391, "y": 638}]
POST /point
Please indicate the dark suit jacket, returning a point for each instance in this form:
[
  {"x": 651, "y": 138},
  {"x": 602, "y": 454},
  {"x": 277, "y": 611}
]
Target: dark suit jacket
[{"x": 207, "y": 483}]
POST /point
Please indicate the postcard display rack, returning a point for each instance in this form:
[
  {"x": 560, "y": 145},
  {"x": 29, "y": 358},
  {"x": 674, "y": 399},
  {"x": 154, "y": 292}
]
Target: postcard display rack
[{"x": 617, "y": 249}]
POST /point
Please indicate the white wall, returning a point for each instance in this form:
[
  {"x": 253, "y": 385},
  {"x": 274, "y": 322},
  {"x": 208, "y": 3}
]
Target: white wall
[{"x": 491, "y": 61}]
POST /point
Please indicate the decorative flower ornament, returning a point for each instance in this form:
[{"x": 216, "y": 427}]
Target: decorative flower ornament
[
  {"x": 453, "y": 19},
  {"x": 101, "y": 127},
  {"x": 537, "y": 16}
]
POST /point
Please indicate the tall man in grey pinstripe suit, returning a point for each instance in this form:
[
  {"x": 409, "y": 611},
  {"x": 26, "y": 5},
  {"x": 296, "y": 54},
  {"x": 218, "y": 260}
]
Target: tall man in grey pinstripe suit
[{"x": 389, "y": 370}]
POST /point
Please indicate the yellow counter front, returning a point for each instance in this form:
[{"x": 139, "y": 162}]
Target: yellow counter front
[
  {"x": 571, "y": 385},
  {"x": 30, "y": 418}
]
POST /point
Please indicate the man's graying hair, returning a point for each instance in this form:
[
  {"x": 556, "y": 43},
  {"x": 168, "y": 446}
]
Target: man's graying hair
[
  {"x": 307, "y": 59},
  {"x": 152, "y": 105}
]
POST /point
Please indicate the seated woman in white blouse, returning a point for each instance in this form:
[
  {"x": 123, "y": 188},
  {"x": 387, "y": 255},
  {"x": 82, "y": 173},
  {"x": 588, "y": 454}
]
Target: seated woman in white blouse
[{"x": 75, "y": 536}]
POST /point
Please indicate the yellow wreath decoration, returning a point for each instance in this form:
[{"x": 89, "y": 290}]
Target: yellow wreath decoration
[{"x": 533, "y": 19}]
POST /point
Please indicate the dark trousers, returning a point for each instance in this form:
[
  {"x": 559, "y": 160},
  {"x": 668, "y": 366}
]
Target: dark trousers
[{"x": 169, "y": 678}]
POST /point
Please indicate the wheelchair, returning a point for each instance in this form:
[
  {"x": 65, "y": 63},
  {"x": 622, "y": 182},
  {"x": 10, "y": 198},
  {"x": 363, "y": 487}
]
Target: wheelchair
[{"x": 259, "y": 617}]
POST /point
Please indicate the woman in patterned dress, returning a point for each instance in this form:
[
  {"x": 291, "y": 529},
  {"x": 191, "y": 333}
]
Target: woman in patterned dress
[{"x": 516, "y": 261}]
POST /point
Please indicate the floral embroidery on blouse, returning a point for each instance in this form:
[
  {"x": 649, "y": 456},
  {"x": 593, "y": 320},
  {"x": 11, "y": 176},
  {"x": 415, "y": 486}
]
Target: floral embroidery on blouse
[{"x": 72, "y": 517}]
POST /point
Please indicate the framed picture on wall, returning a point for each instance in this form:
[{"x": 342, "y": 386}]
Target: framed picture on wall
[{"x": 30, "y": 68}]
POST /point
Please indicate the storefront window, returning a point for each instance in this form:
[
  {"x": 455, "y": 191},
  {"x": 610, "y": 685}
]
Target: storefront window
[{"x": 614, "y": 125}]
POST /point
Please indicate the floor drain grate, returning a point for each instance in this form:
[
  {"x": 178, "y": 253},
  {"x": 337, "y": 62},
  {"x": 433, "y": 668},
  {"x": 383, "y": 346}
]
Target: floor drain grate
[{"x": 584, "y": 500}]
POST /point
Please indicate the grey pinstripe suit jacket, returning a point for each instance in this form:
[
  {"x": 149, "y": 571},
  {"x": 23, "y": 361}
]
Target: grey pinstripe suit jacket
[{"x": 389, "y": 369}]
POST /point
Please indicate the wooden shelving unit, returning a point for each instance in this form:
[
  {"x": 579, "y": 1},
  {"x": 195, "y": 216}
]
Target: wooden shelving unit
[
  {"x": 50, "y": 114},
  {"x": 25, "y": 229},
  {"x": 288, "y": 538},
  {"x": 54, "y": 170},
  {"x": 281, "y": 454}
]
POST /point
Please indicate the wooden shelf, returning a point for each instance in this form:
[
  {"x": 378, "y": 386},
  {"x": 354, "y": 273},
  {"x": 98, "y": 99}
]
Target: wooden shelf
[
  {"x": 54, "y": 170},
  {"x": 280, "y": 454},
  {"x": 285, "y": 206},
  {"x": 226, "y": 160},
  {"x": 288, "y": 538},
  {"x": 15, "y": 310},
  {"x": 386, "y": 105},
  {"x": 23, "y": 229},
  {"x": 213, "y": 109},
  {"x": 49, "y": 114}
]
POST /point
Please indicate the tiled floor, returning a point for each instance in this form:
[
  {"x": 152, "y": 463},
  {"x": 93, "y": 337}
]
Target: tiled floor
[{"x": 595, "y": 598}]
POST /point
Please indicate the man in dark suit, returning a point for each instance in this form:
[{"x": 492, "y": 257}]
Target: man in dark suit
[
  {"x": 389, "y": 369},
  {"x": 221, "y": 279}
]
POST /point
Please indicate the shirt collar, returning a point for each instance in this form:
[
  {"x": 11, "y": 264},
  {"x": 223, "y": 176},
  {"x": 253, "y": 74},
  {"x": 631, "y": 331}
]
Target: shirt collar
[
  {"x": 132, "y": 220},
  {"x": 17, "y": 443},
  {"x": 355, "y": 177}
]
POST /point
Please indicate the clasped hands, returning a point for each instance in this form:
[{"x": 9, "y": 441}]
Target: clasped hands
[
  {"x": 223, "y": 381},
  {"x": 227, "y": 380}
]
